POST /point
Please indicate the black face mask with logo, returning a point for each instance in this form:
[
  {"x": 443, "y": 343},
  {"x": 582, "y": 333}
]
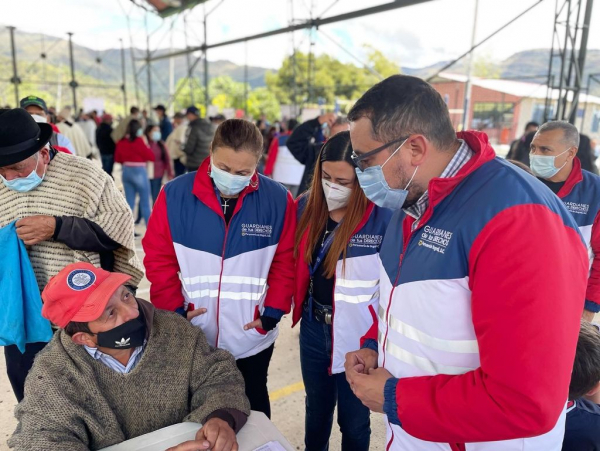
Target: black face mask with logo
[{"x": 126, "y": 336}]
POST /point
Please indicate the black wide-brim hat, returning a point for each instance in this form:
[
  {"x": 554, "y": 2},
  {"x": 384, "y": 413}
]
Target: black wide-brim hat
[{"x": 21, "y": 136}]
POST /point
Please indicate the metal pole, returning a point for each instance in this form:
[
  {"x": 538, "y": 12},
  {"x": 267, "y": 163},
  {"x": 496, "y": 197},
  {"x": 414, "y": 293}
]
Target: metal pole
[
  {"x": 124, "y": 85},
  {"x": 206, "y": 93},
  {"x": 581, "y": 60},
  {"x": 468, "y": 87},
  {"x": 148, "y": 62},
  {"x": 15, "y": 78},
  {"x": 73, "y": 83},
  {"x": 187, "y": 57},
  {"x": 246, "y": 81}
]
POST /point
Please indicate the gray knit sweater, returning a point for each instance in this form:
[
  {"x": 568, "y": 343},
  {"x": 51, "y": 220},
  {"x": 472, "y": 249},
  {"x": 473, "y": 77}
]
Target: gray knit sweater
[{"x": 73, "y": 402}]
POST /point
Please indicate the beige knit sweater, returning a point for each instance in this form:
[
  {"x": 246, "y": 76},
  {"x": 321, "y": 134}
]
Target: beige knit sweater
[
  {"x": 75, "y": 403},
  {"x": 73, "y": 186}
]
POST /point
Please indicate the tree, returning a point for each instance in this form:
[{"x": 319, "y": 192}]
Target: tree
[
  {"x": 263, "y": 101},
  {"x": 330, "y": 78}
]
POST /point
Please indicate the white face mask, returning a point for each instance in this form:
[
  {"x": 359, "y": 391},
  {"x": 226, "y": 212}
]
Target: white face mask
[
  {"x": 337, "y": 196},
  {"x": 39, "y": 119}
]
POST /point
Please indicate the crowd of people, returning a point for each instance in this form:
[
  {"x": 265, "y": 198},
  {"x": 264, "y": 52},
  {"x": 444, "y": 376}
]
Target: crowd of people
[{"x": 450, "y": 289}]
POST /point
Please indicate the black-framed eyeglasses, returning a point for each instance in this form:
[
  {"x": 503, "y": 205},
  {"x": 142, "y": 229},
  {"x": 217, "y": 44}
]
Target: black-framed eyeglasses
[{"x": 358, "y": 160}]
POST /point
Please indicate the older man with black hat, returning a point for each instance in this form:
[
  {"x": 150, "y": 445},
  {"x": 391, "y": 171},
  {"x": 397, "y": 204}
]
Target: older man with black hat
[
  {"x": 78, "y": 397},
  {"x": 66, "y": 210}
]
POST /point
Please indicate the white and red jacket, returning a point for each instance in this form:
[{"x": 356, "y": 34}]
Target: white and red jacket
[
  {"x": 581, "y": 196},
  {"x": 480, "y": 311},
  {"x": 238, "y": 272},
  {"x": 356, "y": 290}
]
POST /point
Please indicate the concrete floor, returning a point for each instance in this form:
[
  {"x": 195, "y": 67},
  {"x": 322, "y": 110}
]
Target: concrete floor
[{"x": 285, "y": 386}]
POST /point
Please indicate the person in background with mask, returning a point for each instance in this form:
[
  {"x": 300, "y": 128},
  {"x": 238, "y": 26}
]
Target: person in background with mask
[
  {"x": 482, "y": 281},
  {"x": 36, "y": 106},
  {"x": 175, "y": 143},
  {"x": 162, "y": 161},
  {"x": 96, "y": 385},
  {"x": 66, "y": 210},
  {"x": 163, "y": 122},
  {"x": 337, "y": 292},
  {"x": 134, "y": 154},
  {"x": 199, "y": 135},
  {"x": 220, "y": 251},
  {"x": 553, "y": 161}
]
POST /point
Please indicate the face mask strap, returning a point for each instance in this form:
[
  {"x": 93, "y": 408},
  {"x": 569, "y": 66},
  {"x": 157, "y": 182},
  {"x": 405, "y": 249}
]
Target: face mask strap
[
  {"x": 411, "y": 179},
  {"x": 394, "y": 153}
]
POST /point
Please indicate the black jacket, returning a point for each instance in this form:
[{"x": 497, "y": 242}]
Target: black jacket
[
  {"x": 197, "y": 146},
  {"x": 103, "y": 140},
  {"x": 304, "y": 149}
]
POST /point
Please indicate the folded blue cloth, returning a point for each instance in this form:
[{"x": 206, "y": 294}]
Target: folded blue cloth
[{"x": 21, "y": 318}]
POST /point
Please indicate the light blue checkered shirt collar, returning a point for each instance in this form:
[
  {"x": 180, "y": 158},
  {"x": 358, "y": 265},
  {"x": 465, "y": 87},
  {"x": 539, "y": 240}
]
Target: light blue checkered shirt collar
[
  {"x": 113, "y": 363},
  {"x": 462, "y": 156}
]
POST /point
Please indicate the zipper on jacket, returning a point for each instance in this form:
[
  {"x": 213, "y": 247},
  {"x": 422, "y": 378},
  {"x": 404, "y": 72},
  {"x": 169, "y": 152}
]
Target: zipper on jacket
[
  {"x": 387, "y": 313},
  {"x": 221, "y": 274}
]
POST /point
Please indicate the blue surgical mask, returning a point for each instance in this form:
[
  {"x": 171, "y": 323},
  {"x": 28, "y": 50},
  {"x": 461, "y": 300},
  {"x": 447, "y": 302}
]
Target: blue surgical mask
[
  {"x": 139, "y": 133},
  {"x": 543, "y": 165},
  {"x": 227, "y": 183},
  {"x": 373, "y": 183},
  {"x": 155, "y": 136},
  {"x": 25, "y": 184}
]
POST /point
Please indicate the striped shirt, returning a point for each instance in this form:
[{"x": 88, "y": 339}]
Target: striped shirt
[
  {"x": 462, "y": 156},
  {"x": 113, "y": 363}
]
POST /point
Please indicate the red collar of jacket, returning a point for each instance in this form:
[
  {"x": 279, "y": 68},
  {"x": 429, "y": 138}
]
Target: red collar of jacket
[
  {"x": 205, "y": 190},
  {"x": 575, "y": 177},
  {"x": 439, "y": 188}
]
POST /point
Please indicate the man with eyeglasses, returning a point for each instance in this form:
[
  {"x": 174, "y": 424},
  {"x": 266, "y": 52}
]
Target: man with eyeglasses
[
  {"x": 553, "y": 160},
  {"x": 483, "y": 276}
]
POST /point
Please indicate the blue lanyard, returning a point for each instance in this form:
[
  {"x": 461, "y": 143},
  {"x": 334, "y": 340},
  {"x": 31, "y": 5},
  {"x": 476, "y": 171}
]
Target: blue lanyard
[{"x": 312, "y": 269}]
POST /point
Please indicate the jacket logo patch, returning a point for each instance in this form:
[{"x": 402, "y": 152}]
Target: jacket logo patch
[
  {"x": 578, "y": 209},
  {"x": 366, "y": 240},
  {"x": 435, "y": 239},
  {"x": 259, "y": 230}
]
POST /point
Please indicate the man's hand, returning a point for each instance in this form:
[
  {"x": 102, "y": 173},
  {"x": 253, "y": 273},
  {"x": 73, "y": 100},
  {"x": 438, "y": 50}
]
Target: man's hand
[
  {"x": 216, "y": 435},
  {"x": 35, "y": 229},
  {"x": 588, "y": 316},
  {"x": 360, "y": 361},
  {"x": 257, "y": 323},
  {"x": 369, "y": 388},
  {"x": 327, "y": 118},
  {"x": 199, "y": 311}
]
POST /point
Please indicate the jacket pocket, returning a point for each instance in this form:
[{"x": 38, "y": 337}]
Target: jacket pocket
[{"x": 257, "y": 316}]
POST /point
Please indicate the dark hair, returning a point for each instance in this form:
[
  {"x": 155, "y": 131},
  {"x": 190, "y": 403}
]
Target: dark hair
[
  {"x": 401, "y": 105},
  {"x": 134, "y": 110},
  {"x": 291, "y": 125},
  {"x": 238, "y": 134},
  {"x": 163, "y": 151},
  {"x": 314, "y": 217},
  {"x": 132, "y": 129},
  {"x": 178, "y": 115},
  {"x": 73, "y": 327},
  {"x": 586, "y": 370},
  {"x": 532, "y": 124}
]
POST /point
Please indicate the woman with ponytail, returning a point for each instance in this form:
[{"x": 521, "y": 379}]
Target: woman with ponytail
[{"x": 337, "y": 284}]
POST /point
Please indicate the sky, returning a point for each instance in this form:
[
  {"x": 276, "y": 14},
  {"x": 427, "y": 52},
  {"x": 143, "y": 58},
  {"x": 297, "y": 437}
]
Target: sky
[{"x": 414, "y": 36}]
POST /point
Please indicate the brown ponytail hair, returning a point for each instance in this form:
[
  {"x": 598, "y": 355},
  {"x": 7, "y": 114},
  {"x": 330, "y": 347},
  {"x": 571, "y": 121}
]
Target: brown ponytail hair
[{"x": 314, "y": 217}]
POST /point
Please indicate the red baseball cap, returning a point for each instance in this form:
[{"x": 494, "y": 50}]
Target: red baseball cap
[{"x": 79, "y": 292}]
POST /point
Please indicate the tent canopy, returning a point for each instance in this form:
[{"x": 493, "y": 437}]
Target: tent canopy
[{"x": 166, "y": 8}]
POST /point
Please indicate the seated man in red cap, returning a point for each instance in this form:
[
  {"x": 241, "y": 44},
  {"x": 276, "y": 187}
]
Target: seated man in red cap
[{"x": 118, "y": 368}]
